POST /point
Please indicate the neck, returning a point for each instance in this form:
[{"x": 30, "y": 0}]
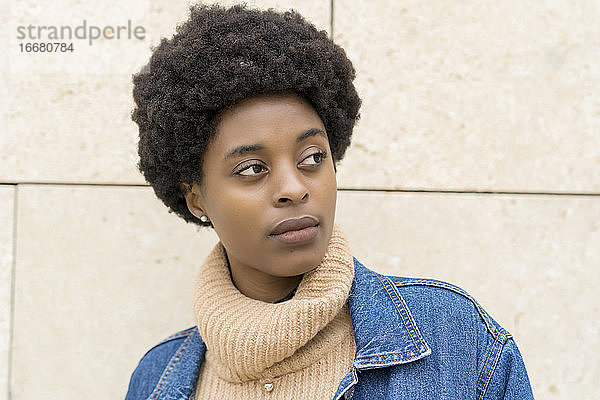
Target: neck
[{"x": 261, "y": 286}]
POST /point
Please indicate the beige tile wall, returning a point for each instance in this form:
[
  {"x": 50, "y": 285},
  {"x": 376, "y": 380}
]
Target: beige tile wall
[
  {"x": 103, "y": 273},
  {"x": 458, "y": 96},
  {"x": 6, "y": 271},
  {"x": 474, "y": 95}
]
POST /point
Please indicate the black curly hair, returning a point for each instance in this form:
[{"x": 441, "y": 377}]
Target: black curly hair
[{"x": 217, "y": 58}]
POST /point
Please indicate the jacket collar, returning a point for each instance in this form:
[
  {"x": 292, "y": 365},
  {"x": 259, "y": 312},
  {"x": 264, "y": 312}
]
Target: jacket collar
[{"x": 384, "y": 330}]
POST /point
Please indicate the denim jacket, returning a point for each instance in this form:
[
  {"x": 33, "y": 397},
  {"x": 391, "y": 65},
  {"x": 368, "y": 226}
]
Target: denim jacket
[{"x": 415, "y": 339}]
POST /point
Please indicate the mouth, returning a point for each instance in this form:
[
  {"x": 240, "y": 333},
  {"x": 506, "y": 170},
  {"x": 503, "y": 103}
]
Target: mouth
[{"x": 296, "y": 230}]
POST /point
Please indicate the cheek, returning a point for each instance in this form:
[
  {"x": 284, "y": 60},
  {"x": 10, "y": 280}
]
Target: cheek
[
  {"x": 233, "y": 210},
  {"x": 331, "y": 187},
  {"x": 231, "y": 221}
]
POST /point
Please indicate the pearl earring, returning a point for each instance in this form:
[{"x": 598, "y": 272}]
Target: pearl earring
[{"x": 203, "y": 218}]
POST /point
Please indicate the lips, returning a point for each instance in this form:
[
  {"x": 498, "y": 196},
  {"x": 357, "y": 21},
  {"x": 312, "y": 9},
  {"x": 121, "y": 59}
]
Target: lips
[
  {"x": 294, "y": 224},
  {"x": 296, "y": 231}
]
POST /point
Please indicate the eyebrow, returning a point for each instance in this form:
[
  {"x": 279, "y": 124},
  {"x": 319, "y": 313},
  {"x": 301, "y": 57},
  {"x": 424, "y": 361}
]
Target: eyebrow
[
  {"x": 309, "y": 133},
  {"x": 247, "y": 148}
]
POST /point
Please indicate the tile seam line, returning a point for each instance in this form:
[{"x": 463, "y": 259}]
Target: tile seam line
[
  {"x": 341, "y": 189},
  {"x": 331, "y": 5},
  {"x": 466, "y": 191},
  {"x": 12, "y": 294}
]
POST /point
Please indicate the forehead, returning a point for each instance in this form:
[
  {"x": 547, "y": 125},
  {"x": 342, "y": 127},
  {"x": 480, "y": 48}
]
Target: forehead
[{"x": 266, "y": 117}]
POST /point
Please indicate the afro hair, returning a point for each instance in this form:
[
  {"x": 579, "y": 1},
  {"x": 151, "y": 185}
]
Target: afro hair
[{"x": 216, "y": 58}]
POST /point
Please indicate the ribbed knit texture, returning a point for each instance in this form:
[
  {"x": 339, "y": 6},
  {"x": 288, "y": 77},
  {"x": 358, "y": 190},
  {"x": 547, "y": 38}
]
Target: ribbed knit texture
[{"x": 303, "y": 346}]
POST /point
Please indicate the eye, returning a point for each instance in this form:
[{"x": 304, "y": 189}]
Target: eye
[
  {"x": 315, "y": 158},
  {"x": 251, "y": 170}
]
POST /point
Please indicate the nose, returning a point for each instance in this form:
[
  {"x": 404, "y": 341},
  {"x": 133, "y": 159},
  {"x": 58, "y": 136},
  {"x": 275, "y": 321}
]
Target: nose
[{"x": 290, "y": 188}]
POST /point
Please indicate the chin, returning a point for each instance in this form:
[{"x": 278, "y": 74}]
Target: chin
[{"x": 300, "y": 266}]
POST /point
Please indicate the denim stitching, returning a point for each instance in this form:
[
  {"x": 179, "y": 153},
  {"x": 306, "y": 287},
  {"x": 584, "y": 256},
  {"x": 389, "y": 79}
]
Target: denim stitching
[
  {"x": 412, "y": 322},
  {"x": 401, "y": 358},
  {"x": 192, "y": 395},
  {"x": 172, "y": 364},
  {"x": 492, "y": 369},
  {"x": 489, "y": 325},
  {"x": 455, "y": 289},
  {"x": 180, "y": 334},
  {"x": 379, "y": 364},
  {"x": 485, "y": 364},
  {"x": 402, "y": 355},
  {"x": 401, "y": 316},
  {"x": 500, "y": 335}
]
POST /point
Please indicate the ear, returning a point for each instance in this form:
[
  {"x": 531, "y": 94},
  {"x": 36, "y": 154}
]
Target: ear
[{"x": 193, "y": 199}]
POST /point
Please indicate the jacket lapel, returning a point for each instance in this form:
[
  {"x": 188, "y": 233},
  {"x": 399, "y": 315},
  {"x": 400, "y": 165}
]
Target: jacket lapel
[{"x": 384, "y": 330}]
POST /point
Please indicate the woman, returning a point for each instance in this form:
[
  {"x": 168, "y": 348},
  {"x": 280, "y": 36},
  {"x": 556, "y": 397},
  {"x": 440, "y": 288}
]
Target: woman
[{"x": 243, "y": 115}]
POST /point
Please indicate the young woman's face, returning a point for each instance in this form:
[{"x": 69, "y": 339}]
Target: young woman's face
[{"x": 270, "y": 162}]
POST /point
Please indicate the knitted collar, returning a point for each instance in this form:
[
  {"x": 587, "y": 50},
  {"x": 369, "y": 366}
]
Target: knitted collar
[{"x": 248, "y": 339}]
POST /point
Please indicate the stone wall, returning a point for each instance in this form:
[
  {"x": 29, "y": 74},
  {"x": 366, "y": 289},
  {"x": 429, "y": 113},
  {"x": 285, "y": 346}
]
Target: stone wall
[{"x": 476, "y": 161}]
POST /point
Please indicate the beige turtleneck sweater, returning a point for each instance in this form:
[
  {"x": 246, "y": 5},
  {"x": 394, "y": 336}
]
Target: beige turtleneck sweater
[{"x": 297, "y": 349}]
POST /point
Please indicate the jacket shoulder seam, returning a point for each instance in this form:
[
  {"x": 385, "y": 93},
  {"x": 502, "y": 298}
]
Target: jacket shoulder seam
[
  {"x": 490, "y": 366},
  {"x": 170, "y": 367},
  {"x": 177, "y": 335},
  {"x": 184, "y": 334},
  {"x": 499, "y": 333}
]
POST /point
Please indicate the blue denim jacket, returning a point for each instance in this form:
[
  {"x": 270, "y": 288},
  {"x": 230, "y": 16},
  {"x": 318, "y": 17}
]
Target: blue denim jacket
[{"x": 415, "y": 339}]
